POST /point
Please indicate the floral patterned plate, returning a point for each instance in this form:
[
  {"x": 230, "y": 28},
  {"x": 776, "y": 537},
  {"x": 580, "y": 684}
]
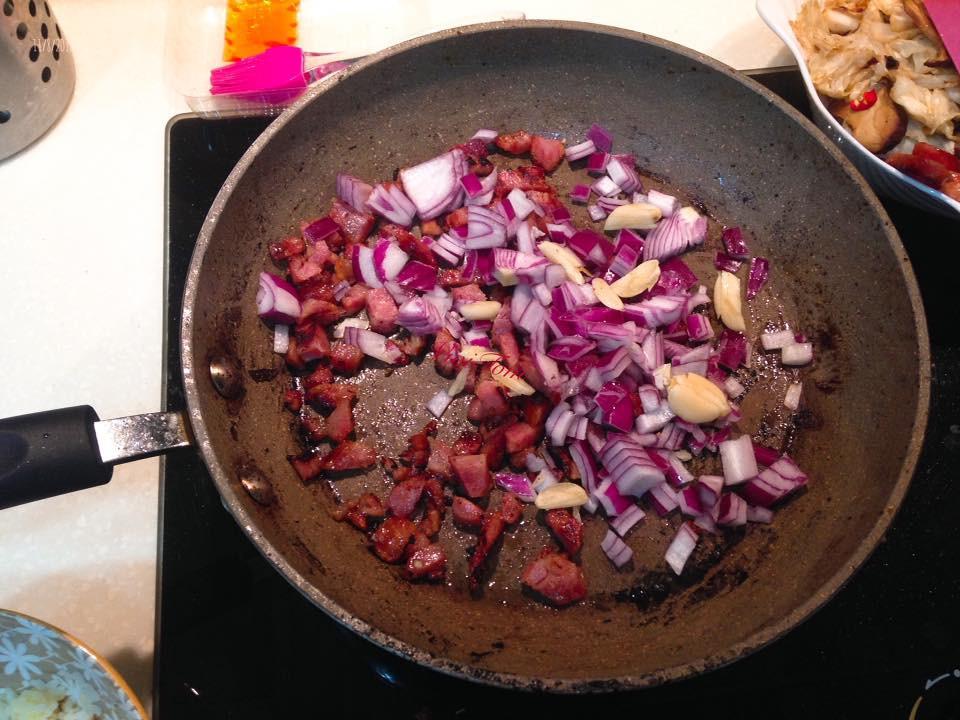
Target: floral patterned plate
[{"x": 36, "y": 655}]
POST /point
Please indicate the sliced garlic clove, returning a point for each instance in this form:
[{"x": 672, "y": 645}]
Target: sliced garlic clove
[
  {"x": 643, "y": 277},
  {"x": 479, "y": 354},
  {"x": 565, "y": 258},
  {"x": 508, "y": 379},
  {"x": 636, "y": 216},
  {"x": 606, "y": 295},
  {"x": 726, "y": 299},
  {"x": 696, "y": 399},
  {"x": 561, "y": 495},
  {"x": 486, "y": 310}
]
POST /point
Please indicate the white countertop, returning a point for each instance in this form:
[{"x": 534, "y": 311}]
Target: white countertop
[{"x": 81, "y": 220}]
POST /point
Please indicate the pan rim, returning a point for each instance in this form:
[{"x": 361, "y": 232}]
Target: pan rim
[{"x": 757, "y": 640}]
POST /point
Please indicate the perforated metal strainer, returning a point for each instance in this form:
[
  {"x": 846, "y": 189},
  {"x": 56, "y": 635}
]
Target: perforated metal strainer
[{"x": 36, "y": 73}]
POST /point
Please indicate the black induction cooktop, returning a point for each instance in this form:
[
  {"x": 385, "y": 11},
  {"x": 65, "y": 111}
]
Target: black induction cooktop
[{"x": 234, "y": 640}]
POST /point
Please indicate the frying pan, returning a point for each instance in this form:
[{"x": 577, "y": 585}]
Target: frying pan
[{"x": 839, "y": 273}]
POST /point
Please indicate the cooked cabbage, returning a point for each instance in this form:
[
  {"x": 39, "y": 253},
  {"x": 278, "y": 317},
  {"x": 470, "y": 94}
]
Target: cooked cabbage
[{"x": 886, "y": 46}]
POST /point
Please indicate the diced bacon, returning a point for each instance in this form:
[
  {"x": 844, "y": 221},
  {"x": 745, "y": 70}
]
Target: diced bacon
[
  {"x": 469, "y": 443},
  {"x": 527, "y": 178},
  {"x": 555, "y": 578},
  {"x": 342, "y": 268},
  {"x": 451, "y": 277},
  {"x": 345, "y": 358},
  {"x": 439, "y": 461},
  {"x": 313, "y": 230},
  {"x": 418, "y": 446},
  {"x": 472, "y": 472},
  {"x": 331, "y": 394},
  {"x": 287, "y": 248},
  {"x": 293, "y": 400},
  {"x": 356, "y": 226},
  {"x": 446, "y": 354},
  {"x": 475, "y": 149},
  {"x": 312, "y": 341},
  {"x": 504, "y": 338},
  {"x": 433, "y": 515},
  {"x": 404, "y": 497},
  {"x": 494, "y": 447},
  {"x": 466, "y": 513},
  {"x": 392, "y": 537},
  {"x": 313, "y": 425},
  {"x": 319, "y": 253},
  {"x": 340, "y": 422},
  {"x": 432, "y": 228},
  {"x": 320, "y": 375},
  {"x": 426, "y": 563},
  {"x": 511, "y": 509},
  {"x": 317, "y": 288},
  {"x": 545, "y": 199},
  {"x": 566, "y": 529},
  {"x": 491, "y": 529},
  {"x": 349, "y": 455},
  {"x": 515, "y": 143},
  {"x": 519, "y": 436},
  {"x": 359, "y": 512},
  {"x": 355, "y": 300},
  {"x": 301, "y": 269},
  {"x": 382, "y": 311},
  {"x": 467, "y": 294},
  {"x": 458, "y": 218},
  {"x": 320, "y": 312},
  {"x": 518, "y": 459},
  {"x": 413, "y": 346},
  {"x": 495, "y": 405},
  {"x": 410, "y": 243},
  {"x": 546, "y": 153},
  {"x": 292, "y": 357},
  {"x": 528, "y": 371},
  {"x": 307, "y": 466}
]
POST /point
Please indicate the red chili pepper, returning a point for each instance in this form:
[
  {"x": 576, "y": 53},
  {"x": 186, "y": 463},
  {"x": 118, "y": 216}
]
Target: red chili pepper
[{"x": 866, "y": 101}]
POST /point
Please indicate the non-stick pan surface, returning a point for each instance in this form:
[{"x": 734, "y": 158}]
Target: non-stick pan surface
[{"x": 839, "y": 274}]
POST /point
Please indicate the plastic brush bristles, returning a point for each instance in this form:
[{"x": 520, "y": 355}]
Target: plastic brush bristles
[{"x": 276, "y": 68}]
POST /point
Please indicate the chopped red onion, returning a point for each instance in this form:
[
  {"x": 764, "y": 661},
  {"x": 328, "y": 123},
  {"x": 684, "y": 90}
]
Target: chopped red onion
[
  {"x": 668, "y": 204},
  {"x": 488, "y": 136},
  {"x": 739, "y": 462},
  {"x": 582, "y": 457},
  {"x": 388, "y": 260},
  {"x": 777, "y": 340},
  {"x": 374, "y": 345},
  {"x": 580, "y": 150},
  {"x": 580, "y": 194},
  {"x": 797, "y": 354},
  {"x": 733, "y": 388},
  {"x": 663, "y": 498},
  {"x": 600, "y": 137},
  {"x": 420, "y": 316},
  {"x": 388, "y": 200},
  {"x": 616, "y": 549},
  {"x": 363, "y": 266},
  {"x": 353, "y": 191},
  {"x": 605, "y": 187},
  {"x": 675, "y": 234},
  {"x": 609, "y": 204},
  {"x": 433, "y": 186},
  {"x": 681, "y": 547},
  {"x": 623, "y": 174},
  {"x": 439, "y": 403},
  {"x": 792, "y": 399},
  {"x": 559, "y": 232},
  {"x": 787, "y": 469},
  {"x": 319, "y": 230},
  {"x": 518, "y": 484},
  {"x": 597, "y": 163},
  {"x": 709, "y": 489},
  {"x": 759, "y": 514},
  {"x": 689, "y": 501},
  {"x": 657, "y": 311},
  {"x": 731, "y": 510},
  {"x": 417, "y": 275},
  {"x": 281, "y": 339},
  {"x": 629, "y": 465},
  {"x": 626, "y": 520},
  {"x": 610, "y": 499},
  {"x": 759, "y": 272},
  {"x": 733, "y": 241},
  {"x": 596, "y": 213},
  {"x": 732, "y": 349},
  {"x": 277, "y": 300},
  {"x": 725, "y": 262}
]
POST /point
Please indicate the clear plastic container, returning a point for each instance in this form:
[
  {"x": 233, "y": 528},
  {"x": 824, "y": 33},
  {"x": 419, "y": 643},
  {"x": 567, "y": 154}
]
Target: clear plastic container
[{"x": 195, "y": 32}]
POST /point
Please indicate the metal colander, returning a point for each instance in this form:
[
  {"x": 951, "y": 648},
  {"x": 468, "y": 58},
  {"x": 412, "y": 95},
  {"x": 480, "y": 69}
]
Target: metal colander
[{"x": 36, "y": 72}]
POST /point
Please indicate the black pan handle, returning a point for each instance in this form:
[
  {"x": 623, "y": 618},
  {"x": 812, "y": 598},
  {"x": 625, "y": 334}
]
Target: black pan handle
[{"x": 59, "y": 451}]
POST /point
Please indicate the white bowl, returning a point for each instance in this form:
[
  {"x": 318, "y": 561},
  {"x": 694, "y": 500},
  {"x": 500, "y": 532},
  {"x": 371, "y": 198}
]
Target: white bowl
[{"x": 884, "y": 178}]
